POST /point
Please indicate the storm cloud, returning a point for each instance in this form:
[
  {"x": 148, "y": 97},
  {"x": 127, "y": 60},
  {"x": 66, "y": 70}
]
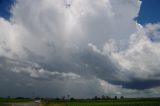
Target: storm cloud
[{"x": 78, "y": 47}]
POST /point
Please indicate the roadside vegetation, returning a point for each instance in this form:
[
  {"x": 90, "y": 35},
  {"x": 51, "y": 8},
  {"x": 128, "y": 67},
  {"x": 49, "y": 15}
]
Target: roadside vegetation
[
  {"x": 19, "y": 99},
  {"x": 86, "y": 102},
  {"x": 124, "y": 102},
  {"x": 2, "y": 104}
]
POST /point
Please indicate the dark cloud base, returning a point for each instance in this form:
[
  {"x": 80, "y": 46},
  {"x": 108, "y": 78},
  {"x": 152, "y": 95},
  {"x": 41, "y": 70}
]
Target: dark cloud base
[{"x": 138, "y": 84}]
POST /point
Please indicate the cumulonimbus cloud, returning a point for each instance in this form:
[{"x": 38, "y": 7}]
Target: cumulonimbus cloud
[{"x": 73, "y": 46}]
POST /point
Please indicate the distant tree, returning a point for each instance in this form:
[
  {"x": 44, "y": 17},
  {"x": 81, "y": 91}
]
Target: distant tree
[
  {"x": 122, "y": 97},
  {"x": 63, "y": 98},
  {"x": 103, "y": 97},
  {"x": 72, "y": 98},
  {"x": 96, "y": 97},
  {"x": 20, "y": 98},
  {"x": 115, "y": 98},
  {"x": 68, "y": 96},
  {"x": 108, "y": 97},
  {"x": 37, "y": 98},
  {"x": 57, "y": 98}
]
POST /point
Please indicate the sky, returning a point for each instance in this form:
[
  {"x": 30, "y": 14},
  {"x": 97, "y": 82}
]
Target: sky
[
  {"x": 149, "y": 12},
  {"x": 84, "y": 48},
  {"x": 5, "y": 6}
]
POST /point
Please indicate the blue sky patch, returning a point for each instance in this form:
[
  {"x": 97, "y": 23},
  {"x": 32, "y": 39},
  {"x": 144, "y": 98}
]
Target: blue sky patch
[
  {"x": 5, "y": 6},
  {"x": 149, "y": 12}
]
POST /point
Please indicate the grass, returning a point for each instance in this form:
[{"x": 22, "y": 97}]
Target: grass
[
  {"x": 5, "y": 104},
  {"x": 125, "y": 102},
  {"x": 113, "y": 104},
  {"x": 119, "y": 102},
  {"x": 9, "y": 100}
]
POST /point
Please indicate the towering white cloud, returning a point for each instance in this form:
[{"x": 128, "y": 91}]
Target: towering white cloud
[
  {"x": 69, "y": 46},
  {"x": 141, "y": 57}
]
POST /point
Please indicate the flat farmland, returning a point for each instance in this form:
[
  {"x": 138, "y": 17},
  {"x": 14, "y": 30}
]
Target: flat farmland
[
  {"x": 126, "y": 102},
  {"x": 1, "y": 104},
  {"x": 80, "y": 102}
]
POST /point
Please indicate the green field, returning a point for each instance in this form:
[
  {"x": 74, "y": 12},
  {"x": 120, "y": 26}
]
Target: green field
[
  {"x": 119, "y": 102},
  {"x": 6, "y": 100},
  {"x": 1, "y": 104},
  {"x": 126, "y": 102}
]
